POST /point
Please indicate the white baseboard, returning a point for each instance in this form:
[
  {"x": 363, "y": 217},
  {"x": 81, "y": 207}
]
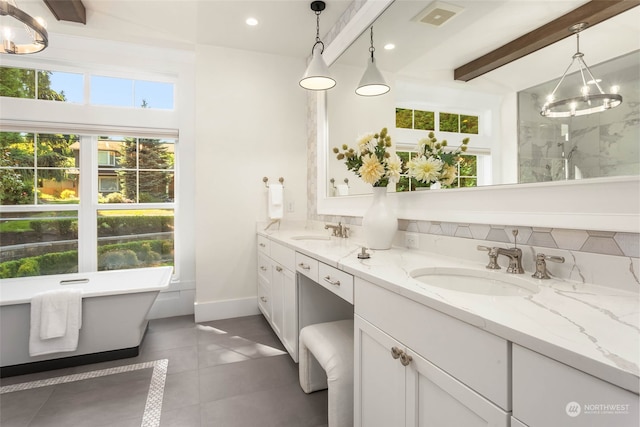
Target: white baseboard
[{"x": 215, "y": 310}]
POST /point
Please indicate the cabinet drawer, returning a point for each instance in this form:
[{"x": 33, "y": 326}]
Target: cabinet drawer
[
  {"x": 263, "y": 267},
  {"x": 264, "y": 245},
  {"x": 283, "y": 255},
  {"x": 473, "y": 356},
  {"x": 338, "y": 282},
  {"x": 307, "y": 266},
  {"x": 568, "y": 396}
]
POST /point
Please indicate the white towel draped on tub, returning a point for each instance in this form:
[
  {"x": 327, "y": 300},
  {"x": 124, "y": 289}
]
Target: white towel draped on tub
[{"x": 56, "y": 318}]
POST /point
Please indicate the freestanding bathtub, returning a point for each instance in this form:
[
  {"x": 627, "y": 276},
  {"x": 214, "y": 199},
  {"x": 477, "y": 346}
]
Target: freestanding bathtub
[{"x": 115, "y": 305}]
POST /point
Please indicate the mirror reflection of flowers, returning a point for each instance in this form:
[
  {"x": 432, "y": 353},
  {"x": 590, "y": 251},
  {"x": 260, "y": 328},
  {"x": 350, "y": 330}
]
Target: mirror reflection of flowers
[
  {"x": 373, "y": 160},
  {"x": 434, "y": 162}
]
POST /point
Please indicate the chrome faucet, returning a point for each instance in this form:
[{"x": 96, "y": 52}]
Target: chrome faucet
[
  {"x": 514, "y": 254},
  {"x": 515, "y": 259},
  {"x": 338, "y": 230}
]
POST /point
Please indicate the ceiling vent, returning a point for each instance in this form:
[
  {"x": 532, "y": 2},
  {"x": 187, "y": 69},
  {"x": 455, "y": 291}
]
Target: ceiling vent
[{"x": 437, "y": 13}]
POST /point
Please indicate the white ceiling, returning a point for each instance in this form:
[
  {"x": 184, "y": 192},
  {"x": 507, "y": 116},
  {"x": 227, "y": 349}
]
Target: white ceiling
[{"x": 287, "y": 27}]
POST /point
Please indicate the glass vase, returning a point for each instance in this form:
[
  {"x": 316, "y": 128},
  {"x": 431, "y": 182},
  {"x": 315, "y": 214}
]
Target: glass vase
[{"x": 380, "y": 222}]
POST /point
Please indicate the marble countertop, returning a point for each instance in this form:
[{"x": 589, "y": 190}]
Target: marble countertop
[{"x": 592, "y": 328}]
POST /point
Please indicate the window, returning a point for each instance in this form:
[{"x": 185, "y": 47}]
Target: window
[
  {"x": 42, "y": 204},
  {"x": 120, "y": 92},
  {"x": 108, "y": 184},
  {"x": 49, "y": 85},
  {"x": 467, "y": 174},
  {"x": 61, "y": 86},
  {"x": 415, "y": 119},
  {"x": 426, "y": 120},
  {"x": 459, "y": 123}
]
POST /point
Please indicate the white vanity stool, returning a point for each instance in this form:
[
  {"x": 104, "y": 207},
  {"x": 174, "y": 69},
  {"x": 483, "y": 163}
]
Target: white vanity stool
[{"x": 331, "y": 344}]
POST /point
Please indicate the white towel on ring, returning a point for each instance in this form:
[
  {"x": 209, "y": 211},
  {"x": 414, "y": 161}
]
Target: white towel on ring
[
  {"x": 276, "y": 197},
  {"x": 56, "y": 319}
]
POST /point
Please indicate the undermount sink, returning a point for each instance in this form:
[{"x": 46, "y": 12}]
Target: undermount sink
[
  {"x": 489, "y": 282},
  {"x": 311, "y": 237}
]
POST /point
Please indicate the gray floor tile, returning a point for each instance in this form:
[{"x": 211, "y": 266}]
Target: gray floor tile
[
  {"x": 181, "y": 390},
  {"x": 18, "y": 408},
  {"x": 232, "y": 372},
  {"x": 88, "y": 406},
  {"x": 213, "y": 355},
  {"x": 267, "y": 409},
  {"x": 234, "y": 379},
  {"x": 187, "y": 416}
]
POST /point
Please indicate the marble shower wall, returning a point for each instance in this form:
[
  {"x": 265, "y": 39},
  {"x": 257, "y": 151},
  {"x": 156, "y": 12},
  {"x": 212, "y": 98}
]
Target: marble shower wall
[{"x": 598, "y": 145}]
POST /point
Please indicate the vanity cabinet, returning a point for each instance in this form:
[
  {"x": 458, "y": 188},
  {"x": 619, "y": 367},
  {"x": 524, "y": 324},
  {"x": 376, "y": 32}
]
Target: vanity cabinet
[
  {"x": 415, "y": 366},
  {"x": 550, "y": 393},
  {"x": 277, "y": 291}
]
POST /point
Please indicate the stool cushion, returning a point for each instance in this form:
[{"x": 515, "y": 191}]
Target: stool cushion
[{"x": 326, "y": 361}]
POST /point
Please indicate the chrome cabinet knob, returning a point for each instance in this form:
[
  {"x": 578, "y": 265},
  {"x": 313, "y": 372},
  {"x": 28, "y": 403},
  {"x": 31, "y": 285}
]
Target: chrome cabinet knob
[
  {"x": 405, "y": 359},
  {"x": 396, "y": 352}
]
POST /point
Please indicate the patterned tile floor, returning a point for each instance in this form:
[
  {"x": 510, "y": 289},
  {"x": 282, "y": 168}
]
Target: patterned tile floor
[{"x": 226, "y": 373}]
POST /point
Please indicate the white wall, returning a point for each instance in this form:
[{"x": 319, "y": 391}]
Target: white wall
[{"x": 250, "y": 123}]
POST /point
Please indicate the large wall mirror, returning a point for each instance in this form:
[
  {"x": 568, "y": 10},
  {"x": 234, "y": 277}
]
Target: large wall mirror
[{"x": 511, "y": 145}]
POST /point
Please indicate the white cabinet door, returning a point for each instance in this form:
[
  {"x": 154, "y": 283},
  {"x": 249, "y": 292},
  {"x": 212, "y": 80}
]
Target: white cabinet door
[
  {"x": 277, "y": 298},
  {"x": 409, "y": 390},
  {"x": 435, "y": 398},
  {"x": 290, "y": 314},
  {"x": 379, "y": 380}
]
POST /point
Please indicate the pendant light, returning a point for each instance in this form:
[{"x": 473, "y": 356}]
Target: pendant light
[
  {"x": 317, "y": 75},
  {"x": 584, "y": 102},
  {"x": 372, "y": 82}
]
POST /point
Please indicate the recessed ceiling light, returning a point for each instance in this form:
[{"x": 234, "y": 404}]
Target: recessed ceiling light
[
  {"x": 389, "y": 46},
  {"x": 252, "y": 22}
]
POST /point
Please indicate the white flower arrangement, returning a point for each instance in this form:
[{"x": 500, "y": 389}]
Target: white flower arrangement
[
  {"x": 434, "y": 163},
  {"x": 373, "y": 160}
]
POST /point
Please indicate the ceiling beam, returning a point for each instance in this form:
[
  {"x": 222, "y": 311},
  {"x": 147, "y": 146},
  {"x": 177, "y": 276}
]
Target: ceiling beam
[
  {"x": 68, "y": 10},
  {"x": 592, "y": 13}
]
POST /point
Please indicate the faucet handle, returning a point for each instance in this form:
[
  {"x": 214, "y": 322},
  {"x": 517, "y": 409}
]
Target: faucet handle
[
  {"x": 345, "y": 231},
  {"x": 541, "y": 265},
  {"x": 493, "y": 257}
]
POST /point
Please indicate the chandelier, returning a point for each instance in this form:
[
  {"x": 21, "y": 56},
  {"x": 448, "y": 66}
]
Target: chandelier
[
  {"x": 36, "y": 37},
  {"x": 585, "y": 102}
]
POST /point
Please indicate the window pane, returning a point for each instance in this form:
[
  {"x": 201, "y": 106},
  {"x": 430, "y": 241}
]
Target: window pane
[
  {"x": 153, "y": 95},
  {"x": 58, "y": 86},
  {"x": 404, "y": 118},
  {"x": 58, "y": 173},
  {"x": 424, "y": 120},
  {"x": 135, "y": 238},
  {"x": 111, "y": 91},
  {"x": 156, "y": 187},
  {"x": 449, "y": 122},
  {"x": 468, "y": 165},
  {"x": 17, "y": 82},
  {"x": 469, "y": 124},
  {"x": 155, "y": 154},
  {"x": 38, "y": 243},
  {"x": 144, "y": 168},
  {"x": 17, "y": 186}
]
